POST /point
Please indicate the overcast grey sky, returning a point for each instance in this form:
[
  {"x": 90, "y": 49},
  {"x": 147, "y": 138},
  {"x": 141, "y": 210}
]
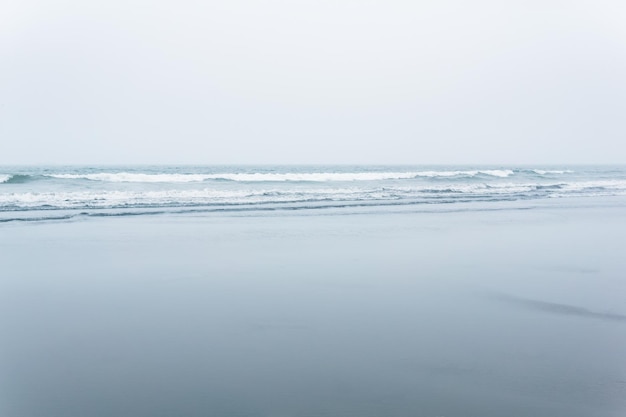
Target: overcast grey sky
[{"x": 302, "y": 81}]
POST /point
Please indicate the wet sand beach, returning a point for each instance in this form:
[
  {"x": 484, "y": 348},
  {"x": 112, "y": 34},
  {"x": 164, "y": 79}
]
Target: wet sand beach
[{"x": 518, "y": 310}]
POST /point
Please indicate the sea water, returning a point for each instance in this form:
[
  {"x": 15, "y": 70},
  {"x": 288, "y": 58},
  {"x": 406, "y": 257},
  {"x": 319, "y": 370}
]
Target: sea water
[
  {"x": 36, "y": 193},
  {"x": 313, "y": 291}
]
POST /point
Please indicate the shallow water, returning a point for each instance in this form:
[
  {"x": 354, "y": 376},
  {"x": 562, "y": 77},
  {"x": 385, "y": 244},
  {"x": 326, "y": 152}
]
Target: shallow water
[{"x": 512, "y": 309}]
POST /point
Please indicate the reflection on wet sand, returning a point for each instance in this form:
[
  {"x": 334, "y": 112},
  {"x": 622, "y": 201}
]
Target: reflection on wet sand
[{"x": 557, "y": 308}]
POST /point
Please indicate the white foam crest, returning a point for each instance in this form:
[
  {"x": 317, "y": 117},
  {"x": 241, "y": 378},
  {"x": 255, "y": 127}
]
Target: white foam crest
[
  {"x": 354, "y": 176},
  {"x": 469, "y": 189},
  {"x": 244, "y": 177},
  {"x": 133, "y": 177},
  {"x": 4, "y": 178},
  {"x": 277, "y": 177},
  {"x": 604, "y": 187},
  {"x": 103, "y": 199},
  {"x": 502, "y": 173},
  {"x": 107, "y": 198},
  {"x": 314, "y": 177},
  {"x": 446, "y": 173},
  {"x": 492, "y": 172},
  {"x": 616, "y": 185},
  {"x": 549, "y": 172}
]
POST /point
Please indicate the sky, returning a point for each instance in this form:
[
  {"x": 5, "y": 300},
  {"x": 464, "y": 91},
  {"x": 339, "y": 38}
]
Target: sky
[{"x": 319, "y": 82}]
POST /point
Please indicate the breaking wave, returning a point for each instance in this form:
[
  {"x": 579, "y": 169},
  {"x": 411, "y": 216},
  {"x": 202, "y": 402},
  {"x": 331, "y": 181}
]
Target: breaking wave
[
  {"x": 28, "y": 192},
  {"x": 294, "y": 194},
  {"x": 551, "y": 172},
  {"x": 174, "y": 178},
  {"x": 280, "y": 177},
  {"x": 15, "y": 179},
  {"x": 132, "y": 177}
]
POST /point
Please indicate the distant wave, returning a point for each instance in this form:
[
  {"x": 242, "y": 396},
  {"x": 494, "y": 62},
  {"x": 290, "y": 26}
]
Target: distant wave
[
  {"x": 279, "y": 177},
  {"x": 550, "y": 186},
  {"x": 551, "y": 172},
  {"x": 132, "y": 177},
  {"x": 15, "y": 179},
  {"x": 502, "y": 173}
]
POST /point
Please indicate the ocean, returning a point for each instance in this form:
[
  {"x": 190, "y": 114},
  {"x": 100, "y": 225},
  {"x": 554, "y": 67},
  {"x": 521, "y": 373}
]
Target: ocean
[
  {"x": 313, "y": 291},
  {"x": 44, "y": 193}
]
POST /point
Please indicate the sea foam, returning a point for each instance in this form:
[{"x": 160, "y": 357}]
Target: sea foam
[
  {"x": 133, "y": 177},
  {"x": 549, "y": 172},
  {"x": 278, "y": 177},
  {"x": 296, "y": 193},
  {"x": 91, "y": 189}
]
